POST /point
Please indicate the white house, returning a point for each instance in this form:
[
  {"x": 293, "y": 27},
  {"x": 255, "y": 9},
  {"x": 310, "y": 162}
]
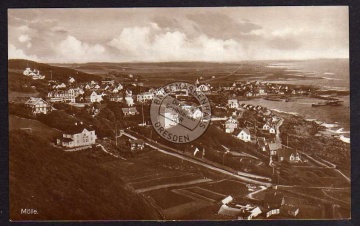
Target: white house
[
  {"x": 38, "y": 105},
  {"x": 71, "y": 80},
  {"x": 144, "y": 96},
  {"x": 230, "y": 125},
  {"x": 78, "y": 135},
  {"x": 170, "y": 119},
  {"x": 203, "y": 88},
  {"x": 233, "y": 103},
  {"x": 129, "y": 101},
  {"x": 94, "y": 97},
  {"x": 272, "y": 130},
  {"x": 244, "y": 135}
]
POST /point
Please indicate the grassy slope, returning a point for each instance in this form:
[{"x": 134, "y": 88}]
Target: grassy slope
[
  {"x": 58, "y": 73},
  {"x": 67, "y": 186}
]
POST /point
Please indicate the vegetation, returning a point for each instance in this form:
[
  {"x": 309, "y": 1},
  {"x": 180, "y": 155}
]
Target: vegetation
[{"x": 67, "y": 186}]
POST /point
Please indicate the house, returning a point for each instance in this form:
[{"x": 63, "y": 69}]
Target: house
[
  {"x": 129, "y": 101},
  {"x": 129, "y": 111},
  {"x": 262, "y": 92},
  {"x": 230, "y": 125},
  {"x": 272, "y": 130},
  {"x": 67, "y": 96},
  {"x": 274, "y": 147},
  {"x": 108, "y": 81},
  {"x": 244, "y": 135},
  {"x": 38, "y": 105},
  {"x": 289, "y": 210},
  {"x": 233, "y": 103},
  {"x": 93, "y": 97},
  {"x": 144, "y": 97},
  {"x": 239, "y": 211},
  {"x": 266, "y": 126},
  {"x": 71, "y": 80},
  {"x": 273, "y": 201},
  {"x": 288, "y": 154},
  {"x": 78, "y": 135},
  {"x": 248, "y": 212},
  {"x": 170, "y": 119},
  {"x": 203, "y": 88},
  {"x": 116, "y": 97},
  {"x": 135, "y": 145}
]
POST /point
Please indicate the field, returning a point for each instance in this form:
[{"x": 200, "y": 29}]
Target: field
[
  {"x": 162, "y": 73},
  {"x": 312, "y": 177},
  {"x": 177, "y": 188},
  {"x": 33, "y": 126}
]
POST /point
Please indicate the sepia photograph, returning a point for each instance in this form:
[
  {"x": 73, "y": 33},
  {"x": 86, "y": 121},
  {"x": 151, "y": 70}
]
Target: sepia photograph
[{"x": 179, "y": 113}]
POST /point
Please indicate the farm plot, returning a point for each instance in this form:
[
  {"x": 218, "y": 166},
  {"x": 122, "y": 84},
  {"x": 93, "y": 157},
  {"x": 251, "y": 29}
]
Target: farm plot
[
  {"x": 226, "y": 187},
  {"x": 209, "y": 195},
  {"x": 170, "y": 181},
  {"x": 165, "y": 198}
]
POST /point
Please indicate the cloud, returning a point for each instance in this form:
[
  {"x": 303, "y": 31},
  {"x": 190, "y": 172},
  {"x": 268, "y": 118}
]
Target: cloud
[
  {"x": 74, "y": 50},
  {"x": 221, "y": 26},
  {"x": 150, "y": 44},
  {"x": 15, "y": 53},
  {"x": 24, "y": 38}
]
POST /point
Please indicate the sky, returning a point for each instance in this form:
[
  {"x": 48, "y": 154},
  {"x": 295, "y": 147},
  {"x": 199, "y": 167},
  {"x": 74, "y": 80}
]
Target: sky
[{"x": 222, "y": 34}]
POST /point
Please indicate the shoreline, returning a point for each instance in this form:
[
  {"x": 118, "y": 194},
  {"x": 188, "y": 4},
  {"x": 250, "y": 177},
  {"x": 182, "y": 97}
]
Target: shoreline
[{"x": 311, "y": 138}]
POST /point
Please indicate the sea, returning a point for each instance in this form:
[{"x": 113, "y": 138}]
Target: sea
[{"x": 327, "y": 75}]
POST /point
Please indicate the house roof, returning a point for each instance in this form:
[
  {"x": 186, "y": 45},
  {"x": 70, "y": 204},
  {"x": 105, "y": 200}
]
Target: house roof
[
  {"x": 129, "y": 110},
  {"x": 229, "y": 211},
  {"x": 274, "y": 197},
  {"x": 138, "y": 141},
  {"x": 246, "y": 130},
  {"x": 274, "y": 146},
  {"x": 35, "y": 100},
  {"x": 75, "y": 129},
  {"x": 67, "y": 139}
]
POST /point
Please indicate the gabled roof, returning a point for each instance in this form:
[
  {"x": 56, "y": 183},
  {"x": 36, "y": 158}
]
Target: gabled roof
[
  {"x": 274, "y": 197},
  {"x": 274, "y": 146},
  {"x": 246, "y": 130},
  {"x": 34, "y": 101},
  {"x": 75, "y": 129},
  {"x": 138, "y": 141}
]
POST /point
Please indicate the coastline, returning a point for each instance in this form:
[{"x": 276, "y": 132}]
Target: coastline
[{"x": 312, "y": 138}]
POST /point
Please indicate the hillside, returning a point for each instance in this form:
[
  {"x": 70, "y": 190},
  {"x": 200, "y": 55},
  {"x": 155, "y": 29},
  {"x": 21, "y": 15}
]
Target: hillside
[
  {"x": 61, "y": 74},
  {"x": 68, "y": 186}
]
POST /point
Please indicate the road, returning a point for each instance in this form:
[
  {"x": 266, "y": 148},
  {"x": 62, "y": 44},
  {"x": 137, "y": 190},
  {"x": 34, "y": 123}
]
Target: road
[{"x": 248, "y": 180}]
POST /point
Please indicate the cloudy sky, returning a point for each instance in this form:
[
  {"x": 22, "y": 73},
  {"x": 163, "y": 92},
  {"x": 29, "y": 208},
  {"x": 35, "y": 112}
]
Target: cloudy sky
[{"x": 178, "y": 34}]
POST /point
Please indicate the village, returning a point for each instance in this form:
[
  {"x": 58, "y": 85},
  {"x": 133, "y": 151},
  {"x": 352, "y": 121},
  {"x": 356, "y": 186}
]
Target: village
[{"x": 255, "y": 128}]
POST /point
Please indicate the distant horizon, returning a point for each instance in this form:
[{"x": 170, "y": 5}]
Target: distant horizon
[
  {"x": 154, "y": 62},
  {"x": 201, "y": 34}
]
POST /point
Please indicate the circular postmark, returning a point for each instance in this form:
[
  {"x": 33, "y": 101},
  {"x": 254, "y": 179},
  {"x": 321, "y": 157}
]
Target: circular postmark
[{"x": 179, "y": 112}]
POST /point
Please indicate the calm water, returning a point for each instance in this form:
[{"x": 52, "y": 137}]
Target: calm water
[
  {"x": 327, "y": 74},
  {"x": 324, "y": 73},
  {"x": 336, "y": 118}
]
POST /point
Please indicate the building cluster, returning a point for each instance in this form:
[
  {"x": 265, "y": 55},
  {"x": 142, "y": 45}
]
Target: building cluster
[
  {"x": 256, "y": 88},
  {"x": 272, "y": 205},
  {"x": 35, "y": 74}
]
